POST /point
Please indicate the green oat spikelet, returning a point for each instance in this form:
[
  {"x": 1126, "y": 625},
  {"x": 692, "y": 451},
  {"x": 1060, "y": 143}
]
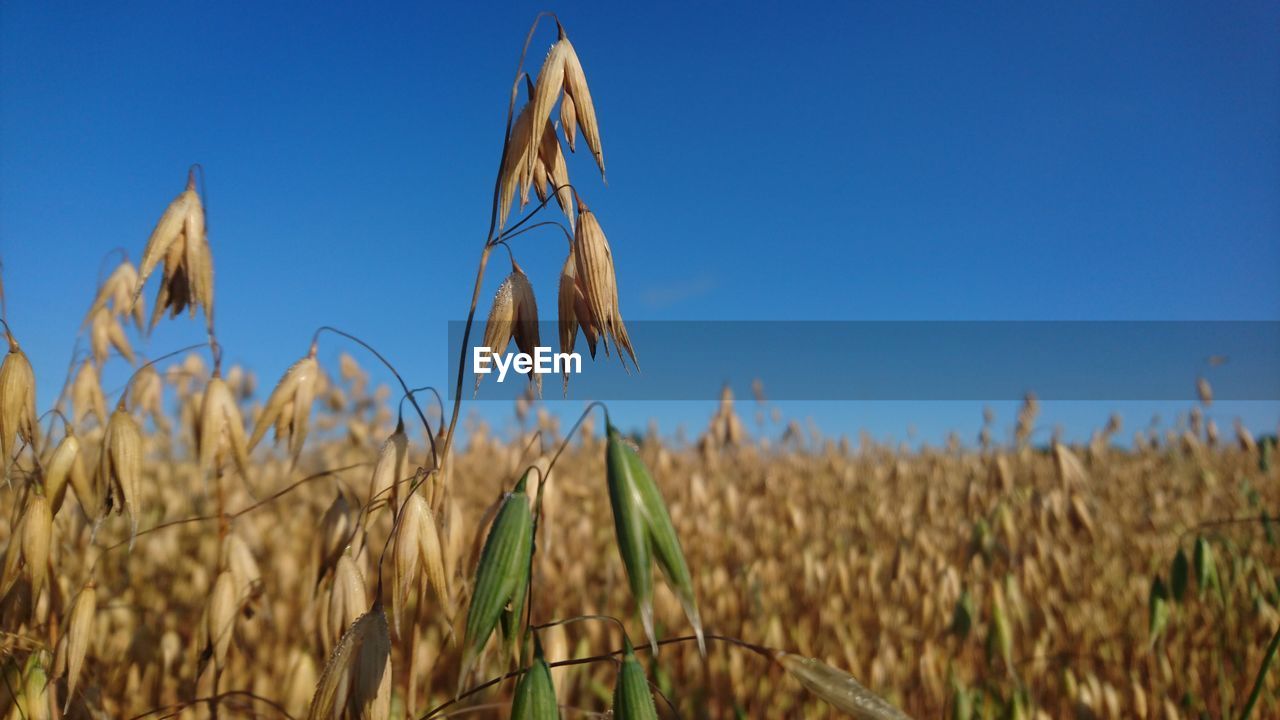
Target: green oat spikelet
[
  {"x": 535, "y": 697},
  {"x": 645, "y": 533},
  {"x": 502, "y": 576},
  {"x": 631, "y": 697}
]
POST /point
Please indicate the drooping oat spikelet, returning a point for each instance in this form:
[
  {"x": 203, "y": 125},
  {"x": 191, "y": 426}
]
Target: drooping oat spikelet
[
  {"x": 391, "y": 468},
  {"x": 838, "y": 688},
  {"x": 1204, "y": 391},
  {"x": 76, "y": 636},
  {"x": 220, "y": 619},
  {"x": 569, "y": 121},
  {"x": 86, "y": 394},
  {"x": 595, "y": 272},
  {"x": 502, "y": 577},
  {"x": 105, "y": 333},
  {"x": 1071, "y": 472},
  {"x": 289, "y": 406},
  {"x": 146, "y": 395},
  {"x": 347, "y": 598},
  {"x": 59, "y": 466},
  {"x": 573, "y": 313},
  {"x": 180, "y": 242},
  {"x": 117, "y": 292},
  {"x": 513, "y": 315},
  {"x": 120, "y": 466},
  {"x": 645, "y": 533},
  {"x": 551, "y": 173},
  {"x": 535, "y": 696},
  {"x": 238, "y": 559},
  {"x": 17, "y": 405},
  {"x": 514, "y": 161},
  {"x": 335, "y": 530},
  {"x": 545, "y": 92},
  {"x": 578, "y": 96},
  {"x": 417, "y": 548},
  {"x": 356, "y": 682},
  {"x": 221, "y": 429},
  {"x": 36, "y": 690},
  {"x": 631, "y": 697},
  {"x": 28, "y": 551}
]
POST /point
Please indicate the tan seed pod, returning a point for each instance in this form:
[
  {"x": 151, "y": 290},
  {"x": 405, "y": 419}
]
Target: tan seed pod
[
  {"x": 120, "y": 466},
  {"x": 1204, "y": 391},
  {"x": 17, "y": 405},
  {"x": 335, "y": 532},
  {"x": 220, "y": 618},
  {"x": 239, "y": 560},
  {"x": 392, "y": 467},
  {"x": 37, "y": 535},
  {"x": 406, "y": 558},
  {"x": 838, "y": 688},
  {"x": 545, "y": 91},
  {"x": 356, "y": 682},
  {"x": 579, "y": 96},
  {"x": 595, "y": 273},
  {"x": 347, "y": 598},
  {"x": 181, "y": 242},
  {"x": 58, "y": 469},
  {"x": 569, "y": 121},
  {"x": 289, "y": 406},
  {"x": 573, "y": 313},
  {"x": 86, "y": 394},
  {"x": 525, "y": 330},
  {"x": 105, "y": 333},
  {"x": 117, "y": 291},
  {"x": 221, "y": 429},
  {"x": 513, "y": 165},
  {"x": 78, "y": 633},
  {"x": 555, "y": 174}
]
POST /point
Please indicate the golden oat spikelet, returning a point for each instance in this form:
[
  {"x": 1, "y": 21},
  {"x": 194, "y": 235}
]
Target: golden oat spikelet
[
  {"x": 59, "y": 467},
  {"x": 599, "y": 285},
  {"x": 513, "y": 315},
  {"x": 356, "y": 682},
  {"x": 180, "y": 241},
  {"x": 76, "y": 637},
  {"x": 17, "y": 404},
  {"x": 105, "y": 333},
  {"x": 512, "y": 174},
  {"x": 288, "y": 407},
  {"x": 573, "y": 313},
  {"x": 569, "y": 122},
  {"x": 117, "y": 291},
  {"x": 120, "y": 466},
  {"x": 86, "y": 394},
  {"x": 221, "y": 428},
  {"x": 554, "y": 174},
  {"x": 578, "y": 96},
  {"x": 545, "y": 92}
]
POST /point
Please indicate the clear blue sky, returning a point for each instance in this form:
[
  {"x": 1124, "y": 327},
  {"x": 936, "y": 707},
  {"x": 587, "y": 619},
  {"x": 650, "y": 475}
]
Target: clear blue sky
[{"x": 832, "y": 161}]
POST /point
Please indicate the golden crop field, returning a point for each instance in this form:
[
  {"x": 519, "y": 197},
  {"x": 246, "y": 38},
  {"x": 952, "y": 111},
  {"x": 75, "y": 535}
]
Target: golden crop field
[{"x": 162, "y": 559}]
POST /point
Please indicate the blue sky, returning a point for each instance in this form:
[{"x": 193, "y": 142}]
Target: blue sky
[{"x": 774, "y": 162}]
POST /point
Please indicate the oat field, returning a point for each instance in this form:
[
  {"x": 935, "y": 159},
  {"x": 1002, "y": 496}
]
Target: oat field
[{"x": 200, "y": 544}]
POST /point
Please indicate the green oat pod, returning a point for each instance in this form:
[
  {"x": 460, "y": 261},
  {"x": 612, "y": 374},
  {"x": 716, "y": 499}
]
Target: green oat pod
[
  {"x": 1206, "y": 566},
  {"x": 1179, "y": 573},
  {"x": 1157, "y": 610},
  {"x": 645, "y": 533},
  {"x": 631, "y": 697},
  {"x": 502, "y": 577},
  {"x": 535, "y": 697}
]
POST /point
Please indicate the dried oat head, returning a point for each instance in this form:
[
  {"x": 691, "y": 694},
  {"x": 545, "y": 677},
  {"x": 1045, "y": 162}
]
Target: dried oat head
[
  {"x": 562, "y": 71},
  {"x": 120, "y": 466},
  {"x": 105, "y": 333},
  {"x": 180, "y": 242},
  {"x": 78, "y": 633},
  {"x": 356, "y": 682},
  {"x": 417, "y": 549},
  {"x": 60, "y": 467},
  {"x": 513, "y": 315},
  {"x": 117, "y": 292},
  {"x": 595, "y": 273},
  {"x": 86, "y": 394},
  {"x": 221, "y": 429},
  {"x": 574, "y": 312},
  {"x": 289, "y": 406},
  {"x": 17, "y": 404}
]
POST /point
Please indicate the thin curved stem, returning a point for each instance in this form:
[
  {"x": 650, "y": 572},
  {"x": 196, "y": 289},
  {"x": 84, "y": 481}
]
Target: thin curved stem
[
  {"x": 124, "y": 391},
  {"x": 541, "y": 204},
  {"x": 508, "y": 237}
]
